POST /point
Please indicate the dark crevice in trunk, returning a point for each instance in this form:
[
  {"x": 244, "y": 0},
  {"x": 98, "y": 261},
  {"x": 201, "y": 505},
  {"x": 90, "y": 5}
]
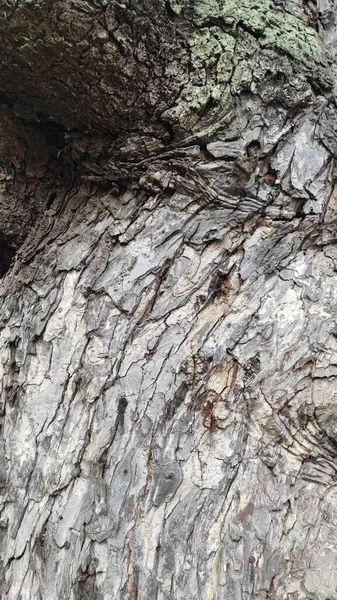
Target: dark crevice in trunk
[{"x": 6, "y": 255}]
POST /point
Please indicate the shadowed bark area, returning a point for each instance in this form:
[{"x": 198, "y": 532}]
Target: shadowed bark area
[{"x": 168, "y": 325}]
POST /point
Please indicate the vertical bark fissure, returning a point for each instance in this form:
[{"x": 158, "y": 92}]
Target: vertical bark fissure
[{"x": 167, "y": 340}]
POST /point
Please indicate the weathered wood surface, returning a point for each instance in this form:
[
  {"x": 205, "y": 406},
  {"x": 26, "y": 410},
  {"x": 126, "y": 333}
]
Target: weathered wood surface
[{"x": 168, "y": 348}]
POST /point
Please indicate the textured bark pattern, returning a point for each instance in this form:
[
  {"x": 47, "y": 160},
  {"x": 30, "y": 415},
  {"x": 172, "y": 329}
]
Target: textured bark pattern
[
  {"x": 85, "y": 63},
  {"x": 168, "y": 361}
]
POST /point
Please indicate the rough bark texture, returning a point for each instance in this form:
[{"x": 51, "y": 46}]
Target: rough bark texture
[{"x": 168, "y": 325}]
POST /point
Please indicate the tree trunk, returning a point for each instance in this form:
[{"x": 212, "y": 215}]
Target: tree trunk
[{"x": 168, "y": 324}]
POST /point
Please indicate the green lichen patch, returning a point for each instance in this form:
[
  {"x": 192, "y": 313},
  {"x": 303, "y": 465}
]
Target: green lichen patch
[
  {"x": 234, "y": 55},
  {"x": 176, "y": 6},
  {"x": 212, "y": 54},
  {"x": 272, "y": 27},
  {"x": 211, "y": 45},
  {"x": 289, "y": 34},
  {"x": 253, "y": 14}
]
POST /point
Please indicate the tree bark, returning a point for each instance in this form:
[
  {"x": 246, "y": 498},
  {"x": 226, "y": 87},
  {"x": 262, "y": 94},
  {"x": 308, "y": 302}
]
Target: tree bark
[{"x": 168, "y": 324}]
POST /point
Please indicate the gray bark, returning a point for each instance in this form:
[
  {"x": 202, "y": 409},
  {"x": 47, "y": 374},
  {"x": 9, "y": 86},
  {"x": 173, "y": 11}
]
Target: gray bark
[{"x": 168, "y": 325}]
